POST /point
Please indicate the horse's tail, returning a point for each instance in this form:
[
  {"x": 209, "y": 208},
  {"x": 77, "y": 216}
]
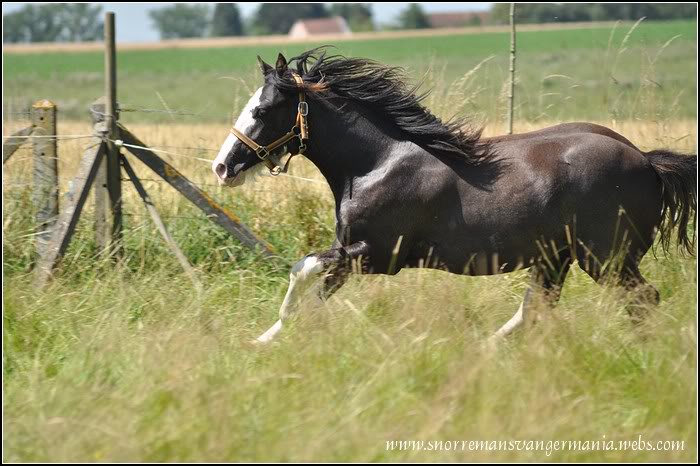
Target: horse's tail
[{"x": 678, "y": 174}]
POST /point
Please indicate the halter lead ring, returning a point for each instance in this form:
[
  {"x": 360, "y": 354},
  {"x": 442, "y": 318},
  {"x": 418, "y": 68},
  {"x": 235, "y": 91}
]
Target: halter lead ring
[{"x": 300, "y": 130}]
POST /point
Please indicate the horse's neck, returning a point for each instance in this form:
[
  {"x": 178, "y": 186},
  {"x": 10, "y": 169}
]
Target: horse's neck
[{"x": 347, "y": 141}]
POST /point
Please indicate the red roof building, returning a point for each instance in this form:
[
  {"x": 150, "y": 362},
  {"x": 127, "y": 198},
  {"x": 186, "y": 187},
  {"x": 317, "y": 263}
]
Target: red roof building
[
  {"x": 457, "y": 19},
  {"x": 320, "y": 26}
]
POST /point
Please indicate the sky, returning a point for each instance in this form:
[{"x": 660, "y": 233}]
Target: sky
[{"x": 134, "y": 24}]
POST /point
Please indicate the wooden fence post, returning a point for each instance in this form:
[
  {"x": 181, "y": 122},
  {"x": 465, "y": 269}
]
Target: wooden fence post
[
  {"x": 45, "y": 197},
  {"x": 114, "y": 179},
  {"x": 511, "y": 92},
  {"x": 108, "y": 190}
]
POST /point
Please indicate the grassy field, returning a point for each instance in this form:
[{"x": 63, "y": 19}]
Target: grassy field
[
  {"x": 584, "y": 74},
  {"x": 130, "y": 362},
  {"x": 135, "y": 364}
]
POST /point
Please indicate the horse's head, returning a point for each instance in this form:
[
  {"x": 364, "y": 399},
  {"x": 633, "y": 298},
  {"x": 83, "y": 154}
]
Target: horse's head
[{"x": 268, "y": 117}]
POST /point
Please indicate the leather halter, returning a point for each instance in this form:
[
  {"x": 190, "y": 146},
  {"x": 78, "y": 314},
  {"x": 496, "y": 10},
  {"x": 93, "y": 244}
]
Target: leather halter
[{"x": 300, "y": 130}]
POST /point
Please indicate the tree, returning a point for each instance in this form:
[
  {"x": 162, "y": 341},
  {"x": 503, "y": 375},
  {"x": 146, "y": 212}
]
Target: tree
[
  {"x": 80, "y": 22},
  {"x": 226, "y": 20},
  {"x": 500, "y": 11},
  {"x": 413, "y": 17},
  {"x": 14, "y": 26},
  {"x": 278, "y": 18},
  {"x": 557, "y": 12},
  {"x": 181, "y": 20},
  {"x": 358, "y": 15},
  {"x": 53, "y": 22},
  {"x": 33, "y": 23}
]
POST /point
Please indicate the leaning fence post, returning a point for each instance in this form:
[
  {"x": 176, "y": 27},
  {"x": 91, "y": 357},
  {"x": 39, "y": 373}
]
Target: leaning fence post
[{"x": 45, "y": 195}]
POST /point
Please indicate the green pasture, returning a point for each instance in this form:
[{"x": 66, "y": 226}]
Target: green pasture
[{"x": 562, "y": 74}]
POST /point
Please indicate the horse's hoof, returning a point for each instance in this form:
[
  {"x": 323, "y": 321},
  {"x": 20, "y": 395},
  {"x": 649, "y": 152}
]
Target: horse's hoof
[{"x": 253, "y": 344}]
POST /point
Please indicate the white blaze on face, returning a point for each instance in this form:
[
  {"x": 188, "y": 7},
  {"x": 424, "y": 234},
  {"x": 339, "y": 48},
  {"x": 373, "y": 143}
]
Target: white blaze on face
[{"x": 244, "y": 122}]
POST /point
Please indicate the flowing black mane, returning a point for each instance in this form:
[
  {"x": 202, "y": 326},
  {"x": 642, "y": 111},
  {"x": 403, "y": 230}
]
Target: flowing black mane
[{"x": 384, "y": 89}]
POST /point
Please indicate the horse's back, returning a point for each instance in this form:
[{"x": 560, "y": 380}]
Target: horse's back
[
  {"x": 608, "y": 185},
  {"x": 588, "y": 165},
  {"x": 564, "y": 129}
]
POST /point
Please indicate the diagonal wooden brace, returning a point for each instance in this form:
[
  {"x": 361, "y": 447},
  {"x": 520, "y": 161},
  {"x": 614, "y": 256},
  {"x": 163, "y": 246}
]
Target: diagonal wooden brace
[
  {"x": 14, "y": 142},
  {"x": 179, "y": 255},
  {"x": 68, "y": 218},
  {"x": 199, "y": 198}
]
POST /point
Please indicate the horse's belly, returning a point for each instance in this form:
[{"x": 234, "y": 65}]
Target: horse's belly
[{"x": 472, "y": 257}]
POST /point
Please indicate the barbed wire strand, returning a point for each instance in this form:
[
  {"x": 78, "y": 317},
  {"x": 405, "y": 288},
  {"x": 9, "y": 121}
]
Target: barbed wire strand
[
  {"x": 166, "y": 216},
  {"x": 122, "y": 143},
  {"x": 119, "y": 142},
  {"x": 51, "y": 136},
  {"x": 168, "y": 112},
  {"x": 187, "y": 148}
]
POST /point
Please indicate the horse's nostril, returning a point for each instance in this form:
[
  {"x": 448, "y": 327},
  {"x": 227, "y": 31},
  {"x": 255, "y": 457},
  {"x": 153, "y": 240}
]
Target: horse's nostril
[{"x": 221, "y": 171}]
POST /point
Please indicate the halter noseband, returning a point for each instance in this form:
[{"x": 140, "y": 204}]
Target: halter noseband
[{"x": 300, "y": 130}]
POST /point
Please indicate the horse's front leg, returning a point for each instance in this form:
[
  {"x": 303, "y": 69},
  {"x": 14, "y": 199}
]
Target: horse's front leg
[{"x": 318, "y": 274}]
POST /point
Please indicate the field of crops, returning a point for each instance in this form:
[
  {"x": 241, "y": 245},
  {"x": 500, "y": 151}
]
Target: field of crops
[{"x": 129, "y": 362}]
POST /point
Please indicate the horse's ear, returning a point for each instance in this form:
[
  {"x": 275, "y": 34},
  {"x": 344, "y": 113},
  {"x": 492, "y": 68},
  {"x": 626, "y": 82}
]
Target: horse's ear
[
  {"x": 264, "y": 67},
  {"x": 281, "y": 65}
]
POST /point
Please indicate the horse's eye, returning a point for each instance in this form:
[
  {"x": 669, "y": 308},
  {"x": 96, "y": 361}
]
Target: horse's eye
[{"x": 259, "y": 112}]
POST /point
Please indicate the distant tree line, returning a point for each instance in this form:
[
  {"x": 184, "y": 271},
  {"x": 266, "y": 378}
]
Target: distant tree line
[
  {"x": 412, "y": 17},
  {"x": 188, "y": 20},
  {"x": 568, "y": 12},
  {"x": 82, "y": 22},
  {"x": 53, "y": 22}
]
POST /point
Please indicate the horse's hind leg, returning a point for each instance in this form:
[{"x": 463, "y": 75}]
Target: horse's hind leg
[
  {"x": 631, "y": 280},
  {"x": 546, "y": 281},
  {"x": 644, "y": 294},
  {"x": 331, "y": 266}
]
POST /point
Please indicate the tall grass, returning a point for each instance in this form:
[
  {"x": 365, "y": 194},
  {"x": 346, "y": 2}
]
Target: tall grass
[
  {"x": 127, "y": 366},
  {"x": 130, "y": 362}
]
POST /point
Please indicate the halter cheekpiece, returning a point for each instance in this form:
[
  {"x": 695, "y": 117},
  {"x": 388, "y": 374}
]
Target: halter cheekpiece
[{"x": 299, "y": 131}]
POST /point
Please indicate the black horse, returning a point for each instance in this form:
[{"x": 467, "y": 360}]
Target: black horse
[{"x": 414, "y": 191}]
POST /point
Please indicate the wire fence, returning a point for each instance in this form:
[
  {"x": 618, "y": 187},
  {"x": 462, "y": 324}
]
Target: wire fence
[
  {"x": 119, "y": 142},
  {"x": 173, "y": 113},
  {"x": 18, "y": 183},
  {"x": 208, "y": 161},
  {"x": 55, "y": 137},
  {"x": 156, "y": 149}
]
